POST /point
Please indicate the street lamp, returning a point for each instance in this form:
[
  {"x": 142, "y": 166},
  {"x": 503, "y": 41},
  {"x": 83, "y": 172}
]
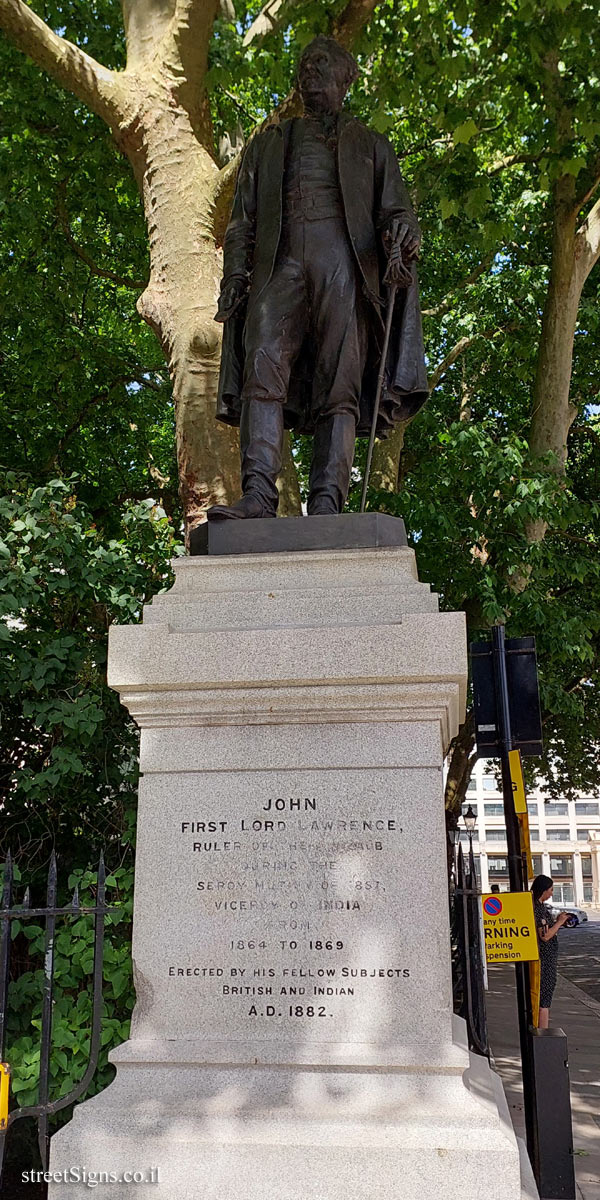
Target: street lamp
[
  {"x": 470, "y": 820},
  {"x": 454, "y": 839}
]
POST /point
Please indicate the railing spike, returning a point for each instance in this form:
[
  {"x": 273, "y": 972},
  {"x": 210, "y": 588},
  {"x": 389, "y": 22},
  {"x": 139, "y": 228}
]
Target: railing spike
[
  {"x": 461, "y": 868},
  {"x": 51, "y": 886},
  {"x": 102, "y": 871},
  {"x": 8, "y": 881},
  {"x": 75, "y": 897},
  {"x": 27, "y": 898}
]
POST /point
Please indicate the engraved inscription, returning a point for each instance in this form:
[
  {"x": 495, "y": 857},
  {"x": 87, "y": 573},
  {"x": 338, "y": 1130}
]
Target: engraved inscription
[{"x": 292, "y": 899}]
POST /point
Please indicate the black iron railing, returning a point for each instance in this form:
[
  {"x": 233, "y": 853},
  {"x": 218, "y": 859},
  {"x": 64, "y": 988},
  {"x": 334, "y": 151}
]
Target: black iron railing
[
  {"x": 9, "y": 912},
  {"x": 468, "y": 951}
]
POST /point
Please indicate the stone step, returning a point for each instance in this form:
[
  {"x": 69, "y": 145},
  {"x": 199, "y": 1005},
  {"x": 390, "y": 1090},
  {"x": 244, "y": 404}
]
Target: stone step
[
  {"x": 369, "y": 568},
  {"x": 263, "y": 609}
]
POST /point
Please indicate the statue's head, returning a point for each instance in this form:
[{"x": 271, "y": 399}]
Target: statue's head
[{"x": 325, "y": 73}]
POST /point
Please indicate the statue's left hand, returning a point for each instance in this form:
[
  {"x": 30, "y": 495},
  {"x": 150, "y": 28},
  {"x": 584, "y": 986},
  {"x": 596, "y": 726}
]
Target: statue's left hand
[
  {"x": 401, "y": 242},
  {"x": 408, "y": 239},
  {"x": 233, "y": 293}
]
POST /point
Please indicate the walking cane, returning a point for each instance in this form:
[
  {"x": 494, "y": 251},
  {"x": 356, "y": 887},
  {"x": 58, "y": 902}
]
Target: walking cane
[
  {"x": 403, "y": 277},
  {"x": 392, "y": 289}
]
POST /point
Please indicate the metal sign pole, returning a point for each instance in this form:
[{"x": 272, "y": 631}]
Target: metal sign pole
[{"x": 515, "y": 874}]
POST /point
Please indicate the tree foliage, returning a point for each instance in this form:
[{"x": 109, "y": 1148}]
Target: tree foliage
[
  {"x": 493, "y": 111},
  {"x": 68, "y": 771},
  {"x": 69, "y": 755}
]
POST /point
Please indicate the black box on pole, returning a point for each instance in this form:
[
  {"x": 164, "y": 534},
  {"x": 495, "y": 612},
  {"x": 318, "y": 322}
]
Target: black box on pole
[
  {"x": 523, "y": 698},
  {"x": 554, "y": 1169}
]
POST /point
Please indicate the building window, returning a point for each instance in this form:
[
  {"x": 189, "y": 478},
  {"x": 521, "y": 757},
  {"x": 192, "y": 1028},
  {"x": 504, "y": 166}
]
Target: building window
[
  {"x": 497, "y": 866},
  {"x": 532, "y": 808},
  {"x": 587, "y": 808},
  {"x": 563, "y": 865},
  {"x": 495, "y": 835},
  {"x": 536, "y": 860},
  {"x": 464, "y": 836},
  {"x": 586, "y": 865},
  {"x": 493, "y": 810},
  {"x": 587, "y": 893},
  {"x": 557, "y": 835},
  {"x": 534, "y": 835},
  {"x": 489, "y": 784},
  {"x": 563, "y": 893},
  {"x": 557, "y": 810},
  {"x": 582, "y": 835},
  {"x": 472, "y": 786}
]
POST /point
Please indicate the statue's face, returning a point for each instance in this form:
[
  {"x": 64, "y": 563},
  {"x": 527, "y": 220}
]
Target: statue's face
[{"x": 322, "y": 81}]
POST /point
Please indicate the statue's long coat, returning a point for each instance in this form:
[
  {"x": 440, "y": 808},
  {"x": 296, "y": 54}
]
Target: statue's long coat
[{"x": 373, "y": 193}]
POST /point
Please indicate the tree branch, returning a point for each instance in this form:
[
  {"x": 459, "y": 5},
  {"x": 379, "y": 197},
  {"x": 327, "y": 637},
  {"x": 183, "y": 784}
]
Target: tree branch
[
  {"x": 103, "y": 273},
  {"x": 571, "y": 537},
  {"x": 446, "y": 304},
  {"x": 462, "y": 758},
  {"x": 511, "y": 160},
  {"x": 103, "y": 91},
  {"x": 186, "y": 53},
  {"x": 351, "y": 20},
  {"x": 460, "y": 347},
  {"x": 419, "y": 147},
  {"x": 223, "y": 197},
  {"x": 146, "y": 23},
  {"x": 345, "y": 29},
  {"x": 268, "y": 19},
  {"x": 587, "y": 243},
  {"x": 583, "y": 200},
  {"x": 193, "y": 21},
  {"x": 100, "y": 397}
]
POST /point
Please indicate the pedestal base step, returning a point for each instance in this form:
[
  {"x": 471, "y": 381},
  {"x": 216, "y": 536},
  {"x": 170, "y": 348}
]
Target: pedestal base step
[{"x": 291, "y": 1134}]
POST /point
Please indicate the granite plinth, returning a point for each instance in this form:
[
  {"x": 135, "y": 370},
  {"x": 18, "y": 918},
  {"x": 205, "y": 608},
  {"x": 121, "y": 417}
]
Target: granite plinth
[
  {"x": 347, "y": 531},
  {"x": 293, "y": 1034}
]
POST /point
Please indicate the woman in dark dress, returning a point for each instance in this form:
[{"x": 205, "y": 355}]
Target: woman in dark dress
[{"x": 547, "y": 929}]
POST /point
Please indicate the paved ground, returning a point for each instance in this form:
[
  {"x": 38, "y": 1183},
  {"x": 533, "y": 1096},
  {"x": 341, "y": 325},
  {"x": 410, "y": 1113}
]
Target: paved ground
[
  {"x": 580, "y": 956},
  {"x": 577, "y": 1011}
]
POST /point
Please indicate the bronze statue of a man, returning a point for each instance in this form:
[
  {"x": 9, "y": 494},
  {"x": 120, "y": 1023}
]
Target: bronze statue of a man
[{"x": 319, "y": 208}]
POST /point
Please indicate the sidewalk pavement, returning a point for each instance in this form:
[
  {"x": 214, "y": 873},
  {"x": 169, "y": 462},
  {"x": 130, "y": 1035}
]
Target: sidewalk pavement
[{"x": 578, "y": 1015}]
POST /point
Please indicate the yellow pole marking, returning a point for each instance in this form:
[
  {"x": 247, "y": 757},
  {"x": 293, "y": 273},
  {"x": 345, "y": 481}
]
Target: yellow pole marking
[
  {"x": 4, "y": 1093},
  {"x": 518, "y": 787}
]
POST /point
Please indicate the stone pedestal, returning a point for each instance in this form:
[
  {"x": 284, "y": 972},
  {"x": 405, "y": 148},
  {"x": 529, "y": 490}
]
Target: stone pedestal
[{"x": 293, "y": 1035}]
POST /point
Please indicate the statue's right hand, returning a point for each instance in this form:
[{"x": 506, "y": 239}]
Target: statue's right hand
[{"x": 230, "y": 299}]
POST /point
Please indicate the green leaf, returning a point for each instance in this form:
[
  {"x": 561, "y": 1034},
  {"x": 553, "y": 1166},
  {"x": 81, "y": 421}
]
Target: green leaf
[
  {"x": 465, "y": 132},
  {"x": 448, "y": 207}
]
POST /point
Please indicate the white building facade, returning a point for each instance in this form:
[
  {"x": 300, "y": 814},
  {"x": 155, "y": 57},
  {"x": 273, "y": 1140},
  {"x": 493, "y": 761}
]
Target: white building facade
[{"x": 565, "y": 839}]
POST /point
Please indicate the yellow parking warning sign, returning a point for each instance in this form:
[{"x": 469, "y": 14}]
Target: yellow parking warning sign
[{"x": 509, "y": 927}]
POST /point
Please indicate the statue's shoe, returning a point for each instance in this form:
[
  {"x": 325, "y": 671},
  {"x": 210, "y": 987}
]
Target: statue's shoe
[
  {"x": 250, "y": 507},
  {"x": 323, "y": 508}
]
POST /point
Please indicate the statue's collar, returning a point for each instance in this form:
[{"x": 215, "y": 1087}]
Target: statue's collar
[{"x": 344, "y": 118}]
